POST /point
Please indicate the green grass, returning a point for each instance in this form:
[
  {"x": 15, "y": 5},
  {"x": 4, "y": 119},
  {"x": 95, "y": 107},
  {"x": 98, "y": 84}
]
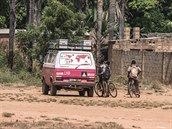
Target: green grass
[
  {"x": 7, "y": 76},
  {"x": 144, "y": 83}
]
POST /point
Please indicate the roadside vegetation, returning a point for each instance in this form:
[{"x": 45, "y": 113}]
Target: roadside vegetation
[
  {"x": 19, "y": 74},
  {"x": 56, "y": 123},
  {"x": 145, "y": 84}
]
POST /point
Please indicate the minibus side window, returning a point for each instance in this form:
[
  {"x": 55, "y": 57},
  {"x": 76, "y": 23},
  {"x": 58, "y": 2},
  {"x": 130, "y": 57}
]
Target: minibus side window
[
  {"x": 53, "y": 58},
  {"x": 45, "y": 59},
  {"x": 50, "y": 57}
]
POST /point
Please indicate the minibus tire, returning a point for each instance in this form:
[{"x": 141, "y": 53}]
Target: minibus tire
[
  {"x": 90, "y": 92},
  {"x": 82, "y": 93},
  {"x": 53, "y": 90},
  {"x": 45, "y": 88}
]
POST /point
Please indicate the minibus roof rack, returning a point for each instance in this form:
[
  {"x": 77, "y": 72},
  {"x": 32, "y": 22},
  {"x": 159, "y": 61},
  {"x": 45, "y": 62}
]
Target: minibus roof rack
[{"x": 63, "y": 44}]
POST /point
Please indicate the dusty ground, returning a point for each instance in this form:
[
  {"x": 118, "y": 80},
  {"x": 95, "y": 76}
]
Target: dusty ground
[{"x": 25, "y": 107}]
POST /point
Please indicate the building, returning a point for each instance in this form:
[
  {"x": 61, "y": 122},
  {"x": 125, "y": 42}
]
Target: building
[{"x": 4, "y": 37}]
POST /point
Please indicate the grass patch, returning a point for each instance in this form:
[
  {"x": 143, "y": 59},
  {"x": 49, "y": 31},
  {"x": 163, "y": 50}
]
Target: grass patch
[
  {"x": 111, "y": 125},
  {"x": 120, "y": 103},
  {"x": 122, "y": 80},
  {"x": 145, "y": 84},
  {"x": 59, "y": 125},
  {"x": 57, "y": 119},
  {"x": 7, "y": 77},
  {"x": 7, "y": 114},
  {"x": 7, "y": 124}
]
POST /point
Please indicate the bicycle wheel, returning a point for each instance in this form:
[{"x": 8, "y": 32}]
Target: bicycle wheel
[
  {"x": 99, "y": 90},
  {"x": 137, "y": 94},
  {"x": 131, "y": 89},
  {"x": 112, "y": 90},
  {"x": 105, "y": 89}
]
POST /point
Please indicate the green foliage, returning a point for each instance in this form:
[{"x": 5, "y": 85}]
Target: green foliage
[
  {"x": 19, "y": 73},
  {"x": 150, "y": 15},
  {"x": 19, "y": 62},
  {"x": 2, "y": 21},
  {"x": 143, "y": 4},
  {"x": 59, "y": 21},
  {"x": 26, "y": 38},
  {"x": 4, "y": 15},
  {"x": 21, "y": 14},
  {"x": 3, "y": 59},
  {"x": 7, "y": 76}
]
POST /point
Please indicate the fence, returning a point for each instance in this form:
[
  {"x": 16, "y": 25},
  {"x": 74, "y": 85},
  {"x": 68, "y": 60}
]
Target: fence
[{"x": 154, "y": 65}]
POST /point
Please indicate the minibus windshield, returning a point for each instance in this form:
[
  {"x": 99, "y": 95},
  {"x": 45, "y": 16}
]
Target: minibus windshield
[{"x": 75, "y": 59}]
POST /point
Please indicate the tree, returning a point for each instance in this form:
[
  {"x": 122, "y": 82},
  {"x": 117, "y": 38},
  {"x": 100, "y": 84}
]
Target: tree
[
  {"x": 60, "y": 22},
  {"x": 34, "y": 19},
  {"x": 99, "y": 28},
  {"x": 2, "y": 21},
  {"x": 25, "y": 39},
  {"x": 112, "y": 18},
  {"x": 12, "y": 32},
  {"x": 121, "y": 19},
  {"x": 4, "y": 13},
  {"x": 150, "y": 15}
]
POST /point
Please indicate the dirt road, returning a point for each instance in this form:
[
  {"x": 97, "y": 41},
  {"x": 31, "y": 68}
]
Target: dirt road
[{"x": 26, "y": 107}]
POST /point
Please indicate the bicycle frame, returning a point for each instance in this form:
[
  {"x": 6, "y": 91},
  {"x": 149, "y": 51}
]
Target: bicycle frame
[{"x": 132, "y": 88}]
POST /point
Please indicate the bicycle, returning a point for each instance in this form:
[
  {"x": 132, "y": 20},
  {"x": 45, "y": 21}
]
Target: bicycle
[
  {"x": 132, "y": 89},
  {"x": 105, "y": 88}
]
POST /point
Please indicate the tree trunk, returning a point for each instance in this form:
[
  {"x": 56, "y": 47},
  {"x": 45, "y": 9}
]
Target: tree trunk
[
  {"x": 99, "y": 28},
  {"x": 31, "y": 11},
  {"x": 121, "y": 20},
  {"x": 12, "y": 32},
  {"x": 37, "y": 12},
  {"x": 31, "y": 22},
  {"x": 112, "y": 19}
]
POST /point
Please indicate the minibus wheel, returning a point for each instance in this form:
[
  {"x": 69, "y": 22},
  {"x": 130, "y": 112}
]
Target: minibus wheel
[
  {"x": 90, "y": 92},
  {"x": 45, "y": 88},
  {"x": 53, "y": 90},
  {"x": 82, "y": 93}
]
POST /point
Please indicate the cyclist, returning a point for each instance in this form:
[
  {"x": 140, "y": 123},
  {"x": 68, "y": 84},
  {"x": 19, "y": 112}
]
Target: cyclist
[
  {"x": 133, "y": 73},
  {"x": 104, "y": 72}
]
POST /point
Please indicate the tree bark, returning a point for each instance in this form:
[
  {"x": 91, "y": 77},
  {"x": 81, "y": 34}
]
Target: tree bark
[
  {"x": 121, "y": 20},
  {"x": 31, "y": 22},
  {"x": 37, "y": 12},
  {"x": 31, "y": 11},
  {"x": 12, "y": 32},
  {"x": 99, "y": 28},
  {"x": 112, "y": 18}
]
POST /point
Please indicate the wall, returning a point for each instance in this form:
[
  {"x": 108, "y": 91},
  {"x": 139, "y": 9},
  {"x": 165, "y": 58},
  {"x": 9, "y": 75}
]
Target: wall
[{"x": 155, "y": 65}]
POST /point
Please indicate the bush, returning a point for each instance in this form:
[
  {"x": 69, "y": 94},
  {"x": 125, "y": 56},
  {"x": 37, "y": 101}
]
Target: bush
[
  {"x": 120, "y": 79},
  {"x": 19, "y": 63},
  {"x": 3, "y": 59},
  {"x": 19, "y": 73},
  {"x": 7, "y": 76}
]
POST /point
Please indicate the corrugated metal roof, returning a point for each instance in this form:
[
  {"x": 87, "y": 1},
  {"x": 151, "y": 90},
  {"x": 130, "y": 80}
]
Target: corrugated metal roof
[{"x": 6, "y": 31}]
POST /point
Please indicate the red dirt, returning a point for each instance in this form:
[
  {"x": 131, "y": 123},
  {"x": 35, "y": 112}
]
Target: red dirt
[{"x": 19, "y": 100}]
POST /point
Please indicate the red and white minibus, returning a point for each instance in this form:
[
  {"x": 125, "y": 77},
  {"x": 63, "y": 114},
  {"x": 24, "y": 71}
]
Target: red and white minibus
[{"x": 69, "y": 69}]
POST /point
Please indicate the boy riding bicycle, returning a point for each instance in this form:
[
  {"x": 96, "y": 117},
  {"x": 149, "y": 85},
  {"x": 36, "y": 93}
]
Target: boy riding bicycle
[{"x": 133, "y": 73}]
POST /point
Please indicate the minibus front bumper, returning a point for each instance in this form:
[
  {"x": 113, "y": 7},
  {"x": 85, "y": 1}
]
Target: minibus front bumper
[{"x": 77, "y": 84}]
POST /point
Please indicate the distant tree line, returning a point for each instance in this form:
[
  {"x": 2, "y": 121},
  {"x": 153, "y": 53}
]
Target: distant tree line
[{"x": 51, "y": 19}]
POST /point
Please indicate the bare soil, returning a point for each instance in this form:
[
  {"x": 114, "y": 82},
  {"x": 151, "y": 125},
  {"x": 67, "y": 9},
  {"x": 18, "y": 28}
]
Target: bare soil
[{"x": 24, "y": 107}]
